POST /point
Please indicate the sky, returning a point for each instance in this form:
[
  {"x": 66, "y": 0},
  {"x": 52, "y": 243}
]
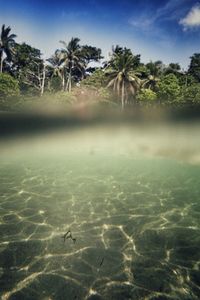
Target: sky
[{"x": 167, "y": 30}]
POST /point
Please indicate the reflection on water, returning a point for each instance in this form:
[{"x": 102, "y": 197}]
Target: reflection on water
[{"x": 130, "y": 198}]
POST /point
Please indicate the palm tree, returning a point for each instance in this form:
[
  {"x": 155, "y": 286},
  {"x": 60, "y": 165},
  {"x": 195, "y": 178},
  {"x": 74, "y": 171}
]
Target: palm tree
[
  {"x": 6, "y": 45},
  {"x": 122, "y": 77},
  {"x": 72, "y": 59},
  {"x": 150, "y": 82},
  {"x": 57, "y": 66},
  {"x": 155, "y": 70}
]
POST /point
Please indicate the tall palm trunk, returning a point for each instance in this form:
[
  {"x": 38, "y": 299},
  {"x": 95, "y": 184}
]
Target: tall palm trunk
[
  {"x": 69, "y": 81},
  {"x": 43, "y": 81},
  {"x": 63, "y": 82},
  {"x": 123, "y": 94},
  {"x": 63, "y": 79},
  {"x": 1, "y": 62},
  {"x": 67, "y": 84}
]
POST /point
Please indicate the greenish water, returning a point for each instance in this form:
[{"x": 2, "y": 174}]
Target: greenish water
[{"x": 131, "y": 198}]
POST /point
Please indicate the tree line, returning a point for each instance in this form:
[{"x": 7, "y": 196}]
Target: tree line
[{"x": 122, "y": 79}]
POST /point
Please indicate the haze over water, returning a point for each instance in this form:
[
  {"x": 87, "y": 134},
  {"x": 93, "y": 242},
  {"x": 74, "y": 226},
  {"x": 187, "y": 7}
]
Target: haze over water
[{"x": 130, "y": 197}]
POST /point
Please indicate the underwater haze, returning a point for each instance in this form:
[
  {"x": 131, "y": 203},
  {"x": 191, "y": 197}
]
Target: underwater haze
[{"x": 101, "y": 212}]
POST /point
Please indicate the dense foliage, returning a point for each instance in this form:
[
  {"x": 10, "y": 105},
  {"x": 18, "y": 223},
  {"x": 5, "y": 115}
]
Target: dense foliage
[
  {"x": 168, "y": 88},
  {"x": 146, "y": 95},
  {"x": 71, "y": 71},
  {"x": 8, "y": 86},
  {"x": 192, "y": 94}
]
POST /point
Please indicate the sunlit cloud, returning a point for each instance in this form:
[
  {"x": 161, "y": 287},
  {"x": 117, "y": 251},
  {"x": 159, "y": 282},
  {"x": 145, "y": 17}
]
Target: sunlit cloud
[{"x": 192, "y": 19}]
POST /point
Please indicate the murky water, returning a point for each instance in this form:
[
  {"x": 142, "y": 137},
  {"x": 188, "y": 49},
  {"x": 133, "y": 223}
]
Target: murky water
[{"x": 131, "y": 200}]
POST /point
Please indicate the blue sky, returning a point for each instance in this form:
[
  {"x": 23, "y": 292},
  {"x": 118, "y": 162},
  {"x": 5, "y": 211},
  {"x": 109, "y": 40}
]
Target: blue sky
[{"x": 168, "y": 30}]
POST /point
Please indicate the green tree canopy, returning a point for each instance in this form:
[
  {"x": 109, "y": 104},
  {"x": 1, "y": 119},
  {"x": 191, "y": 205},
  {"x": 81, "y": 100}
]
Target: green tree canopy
[
  {"x": 91, "y": 53},
  {"x": 97, "y": 79},
  {"x": 192, "y": 94},
  {"x": 194, "y": 68},
  {"x": 24, "y": 59},
  {"x": 168, "y": 88},
  {"x": 146, "y": 95},
  {"x": 8, "y": 86},
  {"x": 28, "y": 67}
]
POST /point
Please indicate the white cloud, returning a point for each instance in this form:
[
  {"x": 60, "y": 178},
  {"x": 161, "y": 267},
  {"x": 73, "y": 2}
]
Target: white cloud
[{"x": 192, "y": 19}]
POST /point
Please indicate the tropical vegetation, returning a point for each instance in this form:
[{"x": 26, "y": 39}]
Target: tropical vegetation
[{"x": 77, "y": 73}]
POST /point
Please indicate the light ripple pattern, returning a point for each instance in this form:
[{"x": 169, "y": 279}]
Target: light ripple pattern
[{"x": 135, "y": 218}]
